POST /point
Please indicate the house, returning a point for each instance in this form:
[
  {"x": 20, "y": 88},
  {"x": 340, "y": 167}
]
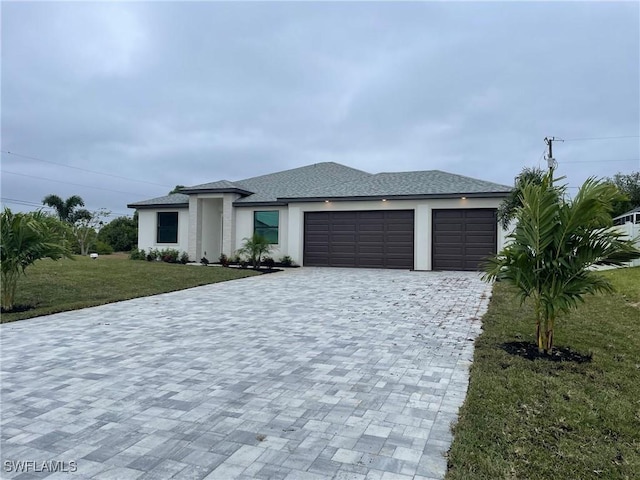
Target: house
[
  {"x": 629, "y": 225},
  {"x": 632, "y": 216},
  {"x": 329, "y": 214}
]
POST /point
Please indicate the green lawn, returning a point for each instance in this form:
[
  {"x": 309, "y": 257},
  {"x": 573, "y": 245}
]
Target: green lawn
[
  {"x": 71, "y": 284},
  {"x": 537, "y": 419}
]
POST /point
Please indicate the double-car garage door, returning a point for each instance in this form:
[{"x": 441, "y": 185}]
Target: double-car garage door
[
  {"x": 461, "y": 238},
  {"x": 368, "y": 239}
]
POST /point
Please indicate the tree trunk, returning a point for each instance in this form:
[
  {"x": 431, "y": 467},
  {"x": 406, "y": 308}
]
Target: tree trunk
[
  {"x": 549, "y": 334},
  {"x": 545, "y": 335},
  {"x": 9, "y": 288},
  {"x": 542, "y": 337}
]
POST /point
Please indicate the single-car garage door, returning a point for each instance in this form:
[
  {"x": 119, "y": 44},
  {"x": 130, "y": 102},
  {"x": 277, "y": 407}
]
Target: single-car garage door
[
  {"x": 367, "y": 239},
  {"x": 463, "y": 238}
]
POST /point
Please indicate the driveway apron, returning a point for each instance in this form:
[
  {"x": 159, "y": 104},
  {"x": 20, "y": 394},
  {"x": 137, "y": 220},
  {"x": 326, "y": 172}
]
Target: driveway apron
[{"x": 311, "y": 373}]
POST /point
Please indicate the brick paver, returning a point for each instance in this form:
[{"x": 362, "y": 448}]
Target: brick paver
[{"x": 305, "y": 374}]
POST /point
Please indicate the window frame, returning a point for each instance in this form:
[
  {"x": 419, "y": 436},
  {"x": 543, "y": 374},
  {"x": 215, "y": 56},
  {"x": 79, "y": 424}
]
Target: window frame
[
  {"x": 160, "y": 226},
  {"x": 271, "y": 228}
]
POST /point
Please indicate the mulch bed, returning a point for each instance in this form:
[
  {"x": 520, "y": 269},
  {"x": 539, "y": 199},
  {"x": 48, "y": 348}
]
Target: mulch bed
[{"x": 530, "y": 351}]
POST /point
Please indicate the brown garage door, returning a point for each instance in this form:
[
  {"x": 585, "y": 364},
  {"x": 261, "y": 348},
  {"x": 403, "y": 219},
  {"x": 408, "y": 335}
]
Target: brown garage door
[
  {"x": 463, "y": 238},
  {"x": 371, "y": 239}
]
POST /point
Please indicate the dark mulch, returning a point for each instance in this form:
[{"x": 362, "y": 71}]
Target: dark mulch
[{"x": 530, "y": 351}]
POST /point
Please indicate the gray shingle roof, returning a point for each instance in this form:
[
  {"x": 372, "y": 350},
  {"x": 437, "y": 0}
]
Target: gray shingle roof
[
  {"x": 428, "y": 183},
  {"x": 220, "y": 186},
  {"x": 172, "y": 200},
  {"x": 298, "y": 181},
  {"x": 332, "y": 180}
]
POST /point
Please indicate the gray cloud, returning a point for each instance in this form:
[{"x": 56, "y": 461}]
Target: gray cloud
[{"x": 193, "y": 92}]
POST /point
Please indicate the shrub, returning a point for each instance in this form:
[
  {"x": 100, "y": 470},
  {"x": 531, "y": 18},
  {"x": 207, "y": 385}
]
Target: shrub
[
  {"x": 153, "y": 255},
  {"x": 244, "y": 263},
  {"x": 102, "y": 248},
  {"x": 169, "y": 255},
  {"x": 224, "y": 260},
  {"x": 235, "y": 259},
  {"x": 137, "y": 254},
  {"x": 286, "y": 261},
  {"x": 268, "y": 262},
  {"x": 204, "y": 261},
  {"x": 184, "y": 258}
]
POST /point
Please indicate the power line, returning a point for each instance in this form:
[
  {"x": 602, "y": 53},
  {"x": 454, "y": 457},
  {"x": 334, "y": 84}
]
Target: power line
[
  {"x": 69, "y": 183},
  {"x": 28, "y": 203},
  {"x": 600, "y": 138},
  {"x": 602, "y": 161},
  {"x": 83, "y": 169}
]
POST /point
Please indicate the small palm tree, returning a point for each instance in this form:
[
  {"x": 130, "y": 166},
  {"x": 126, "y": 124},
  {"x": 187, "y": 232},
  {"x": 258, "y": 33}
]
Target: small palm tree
[
  {"x": 27, "y": 237},
  {"x": 255, "y": 248},
  {"x": 66, "y": 209},
  {"x": 553, "y": 246}
]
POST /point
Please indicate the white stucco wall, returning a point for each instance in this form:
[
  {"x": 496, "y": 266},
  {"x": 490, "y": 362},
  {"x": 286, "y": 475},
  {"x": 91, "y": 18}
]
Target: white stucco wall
[
  {"x": 244, "y": 229},
  {"x": 148, "y": 227}
]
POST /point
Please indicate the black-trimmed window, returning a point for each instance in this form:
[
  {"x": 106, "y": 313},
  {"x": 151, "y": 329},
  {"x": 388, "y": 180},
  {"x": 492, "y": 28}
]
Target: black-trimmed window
[
  {"x": 167, "y": 227},
  {"x": 265, "y": 224}
]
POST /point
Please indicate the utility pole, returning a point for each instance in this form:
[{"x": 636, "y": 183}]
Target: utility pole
[{"x": 550, "y": 160}]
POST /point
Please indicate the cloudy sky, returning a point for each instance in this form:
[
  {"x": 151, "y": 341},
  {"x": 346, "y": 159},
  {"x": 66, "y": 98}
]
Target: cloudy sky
[{"x": 119, "y": 102}]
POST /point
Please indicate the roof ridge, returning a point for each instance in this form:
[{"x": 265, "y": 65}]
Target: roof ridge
[{"x": 302, "y": 168}]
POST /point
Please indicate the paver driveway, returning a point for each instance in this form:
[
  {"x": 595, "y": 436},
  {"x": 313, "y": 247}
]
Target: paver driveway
[{"x": 307, "y": 374}]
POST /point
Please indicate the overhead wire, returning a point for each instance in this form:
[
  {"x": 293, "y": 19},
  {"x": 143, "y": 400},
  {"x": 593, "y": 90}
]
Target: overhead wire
[
  {"x": 69, "y": 183},
  {"x": 599, "y": 138},
  {"x": 28, "y": 203},
  {"x": 83, "y": 169}
]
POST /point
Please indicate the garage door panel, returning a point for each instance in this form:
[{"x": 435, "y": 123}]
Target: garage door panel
[
  {"x": 371, "y": 237},
  {"x": 448, "y": 239},
  {"x": 483, "y": 239},
  {"x": 463, "y": 238},
  {"x": 444, "y": 228},
  {"x": 344, "y": 238},
  {"x": 380, "y": 239},
  {"x": 475, "y": 227}
]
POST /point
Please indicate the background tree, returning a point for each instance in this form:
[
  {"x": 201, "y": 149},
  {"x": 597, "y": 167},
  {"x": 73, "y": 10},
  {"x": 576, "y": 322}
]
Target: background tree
[
  {"x": 554, "y": 244},
  {"x": 86, "y": 229},
  {"x": 176, "y": 189},
  {"x": 507, "y": 209},
  {"x": 629, "y": 185},
  {"x": 25, "y": 238},
  {"x": 67, "y": 209},
  {"x": 120, "y": 233},
  {"x": 255, "y": 248}
]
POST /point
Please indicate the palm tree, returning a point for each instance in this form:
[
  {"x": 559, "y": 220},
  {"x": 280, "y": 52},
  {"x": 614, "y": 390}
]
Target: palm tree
[
  {"x": 507, "y": 209},
  {"x": 66, "y": 209},
  {"x": 255, "y": 247},
  {"x": 27, "y": 237},
  {"x": 553, "y": 247}
]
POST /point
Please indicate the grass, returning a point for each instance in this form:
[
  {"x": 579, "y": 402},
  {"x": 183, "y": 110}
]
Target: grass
[
  {"x": 538, "y": 419},
  {"x": 52, "y": 287}
]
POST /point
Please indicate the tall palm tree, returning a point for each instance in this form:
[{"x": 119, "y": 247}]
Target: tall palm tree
[
  {"x": 555, "y": 244},
  {"x": 66, "y": 209}
]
